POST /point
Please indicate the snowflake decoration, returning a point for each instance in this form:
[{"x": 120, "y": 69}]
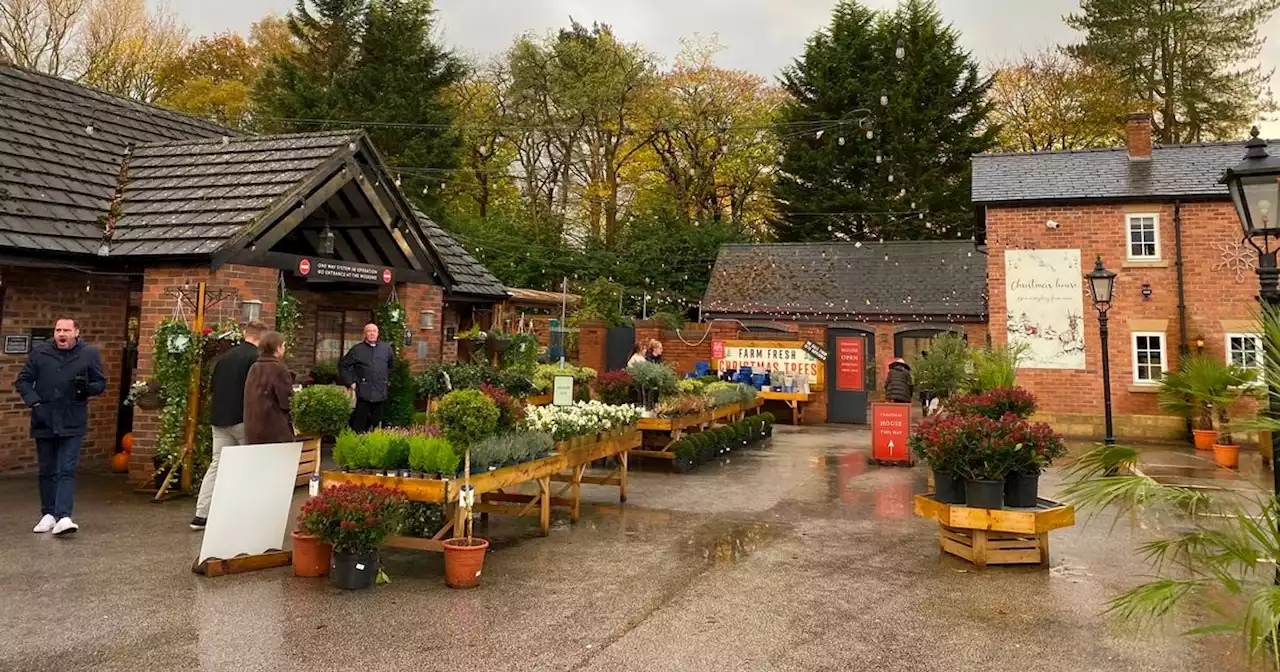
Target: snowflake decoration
[{"x": 1235, "y": 257}]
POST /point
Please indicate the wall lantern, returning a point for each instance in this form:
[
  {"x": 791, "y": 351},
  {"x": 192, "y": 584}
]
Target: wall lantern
[
  {"x": 1146, "y": 291},
  {"x": 250, "y": 310},
  {"x": 427, "y": 319}
]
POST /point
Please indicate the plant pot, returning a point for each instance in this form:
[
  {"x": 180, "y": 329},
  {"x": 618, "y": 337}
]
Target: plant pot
[
  {"x": 1226, "y": 455},
  {"x": 310, "y": 555},
  {"x": 1021, "y": 490},
  {"x": 948, "y": 487},
  {"x": 984, "y": 494},
  {"x": 1204, "y": 438},
  {"x": 353, "y": 571},
  {"x": 463, "y": 562}
]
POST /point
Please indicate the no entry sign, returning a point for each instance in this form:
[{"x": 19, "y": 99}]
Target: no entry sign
[
  {"x": 304, "y": 266},
  {"x": 386, "y": 276},
  {"x": 890, "y": 427}
]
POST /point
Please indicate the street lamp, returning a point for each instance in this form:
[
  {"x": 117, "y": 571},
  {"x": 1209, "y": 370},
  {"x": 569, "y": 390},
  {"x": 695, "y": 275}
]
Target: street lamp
[
  {"x": 1102, "y": 283},
  {"x": 1254, "y": 184}
]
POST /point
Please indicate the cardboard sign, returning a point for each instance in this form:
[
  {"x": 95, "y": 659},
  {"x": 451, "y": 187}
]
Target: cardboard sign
[
  {"x": 249, "y": 513},
  {"x": 850, "y": 366},
  {"x": 789, "y": 357},
  {"x": 890, "y": 427},
  {"x": 562, "y": 391}
]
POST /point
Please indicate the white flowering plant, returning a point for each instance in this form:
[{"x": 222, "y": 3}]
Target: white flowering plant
[{"x": 581, "y": 419}]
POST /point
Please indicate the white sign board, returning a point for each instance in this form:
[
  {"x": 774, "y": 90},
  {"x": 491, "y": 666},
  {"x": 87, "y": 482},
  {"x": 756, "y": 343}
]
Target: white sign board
[
  {"x": 562, "y": 391},
  {"x": 790, "y": 359},
  {"x": 1044, "y": 302},
  {"x": 250, "y": 509}
]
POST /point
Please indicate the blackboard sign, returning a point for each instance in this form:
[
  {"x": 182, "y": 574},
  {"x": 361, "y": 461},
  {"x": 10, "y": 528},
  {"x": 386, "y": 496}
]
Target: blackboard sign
[
  {"x": 815, "y": 350},
  {"x": 18, "y": 344}
]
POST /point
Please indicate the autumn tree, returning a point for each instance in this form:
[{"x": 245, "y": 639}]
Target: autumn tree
[
  {"x": 483, "y": 185},
  {"x": 1051, "y": 102},
  {"x": 886, "y": 111},
  {"x": 39, "y": 34},
  {"x": 1192, "y": 64},
  {"x": 125, "y": 47}
]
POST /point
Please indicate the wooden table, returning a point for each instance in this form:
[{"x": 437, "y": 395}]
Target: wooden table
[
  {"x": 492, "y": 487},
  {"x": 796, "y": 400},
  {"x": 663, "y": 433},
  {"x": 996, "y": 536}
]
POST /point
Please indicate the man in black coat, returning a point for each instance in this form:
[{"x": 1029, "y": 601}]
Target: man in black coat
[
  {"x": 226, "y": 410},
  {"x": 59, "y": 377},
  {"x": 366, "y": 368}
]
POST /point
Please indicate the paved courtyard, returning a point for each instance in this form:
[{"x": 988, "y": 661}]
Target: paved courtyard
[{"x": 796, "y": 556}]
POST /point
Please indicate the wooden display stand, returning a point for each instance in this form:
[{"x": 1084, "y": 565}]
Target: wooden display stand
[
  {"x": 309, "y": 461},
  {"x": 539, "y": 400},
  {"x": 660, "y": 434},
  {"x": 796, "y": 400},
  {"x": 996, "y": 536},
  {"x": 491, "y": 487}
]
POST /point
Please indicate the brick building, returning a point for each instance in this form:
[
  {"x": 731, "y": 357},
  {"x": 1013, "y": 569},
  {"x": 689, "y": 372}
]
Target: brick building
[
  {"x": 870, "y": 302},
  {"x": 1155, "y": 215},
  {"x": 108, "y": 207}
]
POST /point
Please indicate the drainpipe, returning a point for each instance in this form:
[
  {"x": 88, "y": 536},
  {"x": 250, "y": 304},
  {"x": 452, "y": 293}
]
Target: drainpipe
[{"x": 1183, "y": 349}]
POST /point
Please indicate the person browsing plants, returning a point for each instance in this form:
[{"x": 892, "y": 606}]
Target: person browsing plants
[{"x": 366, "y": 369}]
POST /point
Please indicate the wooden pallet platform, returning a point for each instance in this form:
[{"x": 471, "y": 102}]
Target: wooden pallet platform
[{"x": 996, "y": 536}]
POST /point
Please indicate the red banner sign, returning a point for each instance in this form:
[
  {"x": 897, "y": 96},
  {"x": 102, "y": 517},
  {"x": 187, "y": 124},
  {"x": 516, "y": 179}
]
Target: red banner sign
[
  {"x": 849, "y": 364},
  {"x": 717, "y": 350},
  {"x": 890, "y": 427}
]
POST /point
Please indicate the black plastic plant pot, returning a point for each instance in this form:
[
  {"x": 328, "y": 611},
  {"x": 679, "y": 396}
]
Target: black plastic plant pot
[
  {"x": 1021, "y": 490},
  {"x": 353, "y": 571},
  {"x": 948, "y": 488},
  {"x": 984, "y": 494}
]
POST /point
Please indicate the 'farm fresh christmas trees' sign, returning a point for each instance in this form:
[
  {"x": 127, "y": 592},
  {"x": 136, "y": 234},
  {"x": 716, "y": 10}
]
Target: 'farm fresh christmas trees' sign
[
  {"x": 789, "y": 357},
  {"x": 1044, "y": 295}
]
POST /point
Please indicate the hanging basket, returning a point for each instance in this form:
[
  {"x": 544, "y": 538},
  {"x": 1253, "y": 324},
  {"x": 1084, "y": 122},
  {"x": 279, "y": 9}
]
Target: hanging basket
[{"x": 150, "y": 399}]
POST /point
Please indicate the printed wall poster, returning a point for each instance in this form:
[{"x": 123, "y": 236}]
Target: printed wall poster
[{"x": 1044, "y": 297}]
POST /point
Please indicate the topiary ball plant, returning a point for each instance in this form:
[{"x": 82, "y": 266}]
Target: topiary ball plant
[
  {"x": 321, "y": 410},
  {"x": 466, "y": 417}
]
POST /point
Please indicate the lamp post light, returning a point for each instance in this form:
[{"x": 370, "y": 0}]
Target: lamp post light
[
  {"x": 1254, "y": 184},
  {"x": 1102, "y": 284}
]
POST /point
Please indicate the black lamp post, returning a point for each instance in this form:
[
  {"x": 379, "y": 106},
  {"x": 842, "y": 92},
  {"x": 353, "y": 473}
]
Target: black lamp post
[
  {"x": 1254, "y": 184},
  {"x": 1102, "y": 283}
]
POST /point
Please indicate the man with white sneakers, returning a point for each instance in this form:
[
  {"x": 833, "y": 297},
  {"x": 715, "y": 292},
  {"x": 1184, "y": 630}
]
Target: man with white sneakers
[{"x": 56, "y": 383}]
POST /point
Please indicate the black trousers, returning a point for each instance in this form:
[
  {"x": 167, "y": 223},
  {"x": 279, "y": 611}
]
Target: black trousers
[{"x": 366, "y": 416}]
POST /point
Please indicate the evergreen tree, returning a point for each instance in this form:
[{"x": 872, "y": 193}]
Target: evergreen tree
[
  {"x": 887, "y": 109},
  {"x": 1184, "y": 61},
  {"x": 372, "y": 61}
]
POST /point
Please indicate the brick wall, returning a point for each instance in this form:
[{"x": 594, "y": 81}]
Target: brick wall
[
  {"x": 34, "y": 298},
  {"x": 1217, "y": 302}
]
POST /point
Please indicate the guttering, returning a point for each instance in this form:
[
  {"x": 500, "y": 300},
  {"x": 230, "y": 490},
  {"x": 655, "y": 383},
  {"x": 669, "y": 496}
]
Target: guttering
[{"x": 1183, "y": 348}]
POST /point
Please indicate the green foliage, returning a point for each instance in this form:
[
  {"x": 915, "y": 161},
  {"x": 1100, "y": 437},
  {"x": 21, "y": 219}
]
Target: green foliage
[
  {"x": 422, "y": 519},
  {"x": 521, "y": 356},
  {"x": 466, "y": 417},
  {"x": 354, "y": 518},
  {"x": 402, "y": 389},
  {"x": 653, "y": 381},
  {"x": 512, "y": 447},
  {"x": 349, "y": 452},
  {"x": 175, "y": 348},
  {"x": 289, "y": 317},
  {"x": 690, "y": 386},
  {"x": 1204, "y": 386},
  {"x": 850, "y": 65},
  {"x": 377, "y": 449},
  {"x": 321, "y": 410},
  {"x": 544, "y": 376},
  {"x": 420, "y": 419},
  {"x": 601, "y": 300},
  {"x": 325, "y": 372},
  {"x": 439, "y": 379},
  {"x": 994, "y": 368},
  {"x": 390, "y": 318},
  {"x": 432, "y": 455},
  {"x": 668, "y": 319},
  {"x": 942, "y": 371}
]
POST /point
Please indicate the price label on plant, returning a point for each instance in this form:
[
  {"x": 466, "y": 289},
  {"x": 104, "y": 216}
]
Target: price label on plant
[{"x": 562, "y": 391}]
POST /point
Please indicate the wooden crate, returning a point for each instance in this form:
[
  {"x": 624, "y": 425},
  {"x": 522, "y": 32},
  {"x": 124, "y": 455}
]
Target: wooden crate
[
  {"x": 309, "y": 460},
  {"x": 996, "y": 536},
  {"x": 983, "y": 548}
]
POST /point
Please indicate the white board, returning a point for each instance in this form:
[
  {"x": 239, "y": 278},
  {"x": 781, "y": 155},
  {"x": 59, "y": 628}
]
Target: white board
[
  {"x": 1044, "y": 302},
  {"x": 562, "y": 391},
  {"x": 250, "y": 509}
]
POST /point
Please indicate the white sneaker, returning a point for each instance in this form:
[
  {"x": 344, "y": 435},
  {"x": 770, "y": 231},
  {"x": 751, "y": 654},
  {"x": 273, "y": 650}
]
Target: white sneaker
[
  {"x": 64, "y": 526},
  {"x": 46, "y": 524}
]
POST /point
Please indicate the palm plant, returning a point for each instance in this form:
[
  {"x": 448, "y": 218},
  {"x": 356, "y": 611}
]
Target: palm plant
[
  {"x": 1222, "y": 543},
  {"x": 1202, "y": 386}
]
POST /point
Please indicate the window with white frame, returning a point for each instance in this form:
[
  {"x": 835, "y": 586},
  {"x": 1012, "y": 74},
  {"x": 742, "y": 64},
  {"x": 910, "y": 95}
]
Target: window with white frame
[
  {"x": 1143, "y": 231},
  {"x": 1148, "y": 357},
  {"x": 1245, "y": 350}
]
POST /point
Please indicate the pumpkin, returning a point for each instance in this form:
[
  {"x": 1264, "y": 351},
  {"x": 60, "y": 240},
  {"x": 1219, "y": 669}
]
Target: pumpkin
[
  {"x": 126, "y": 443},
  {"x": 120, "y": 462}
]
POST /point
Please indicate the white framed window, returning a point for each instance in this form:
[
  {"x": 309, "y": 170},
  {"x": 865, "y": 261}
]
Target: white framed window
[
  {"x": 1245, "y": 350},
  {"x": 1142, "y": 235},
  {"x": 1148, "y": 357}
]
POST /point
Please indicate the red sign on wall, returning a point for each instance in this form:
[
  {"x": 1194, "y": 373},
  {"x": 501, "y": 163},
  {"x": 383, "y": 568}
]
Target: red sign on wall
[
  {"x": 890, "y": 427},
  {"x": 304, "y": 266},
  {"x": 386, "y": 276},
  {"x": 717, "y": 350},
  {"x": 849, "y": 364}
]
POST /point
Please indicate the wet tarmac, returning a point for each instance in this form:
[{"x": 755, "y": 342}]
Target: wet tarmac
[{"x": 795, "y": 556}]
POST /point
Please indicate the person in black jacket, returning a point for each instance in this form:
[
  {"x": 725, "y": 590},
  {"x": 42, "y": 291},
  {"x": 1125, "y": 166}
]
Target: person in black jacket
[
  {"x": 366, "y": 368},
  {"x": 59, "y": 377},
  {"x": 226, "y": 410},
  {"x": 897, "y": 385}
]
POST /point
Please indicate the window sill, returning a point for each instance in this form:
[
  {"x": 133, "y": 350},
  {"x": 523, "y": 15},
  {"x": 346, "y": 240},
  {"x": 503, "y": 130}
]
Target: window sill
[
  {"x": 1145, "y": 263},
  {"x": 1151, "y": 388}
]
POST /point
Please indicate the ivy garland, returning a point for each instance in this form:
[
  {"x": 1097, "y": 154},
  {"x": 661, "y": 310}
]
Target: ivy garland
[
  {"x": 391, "y": 327},
  {"x": 288, "y": 315}
]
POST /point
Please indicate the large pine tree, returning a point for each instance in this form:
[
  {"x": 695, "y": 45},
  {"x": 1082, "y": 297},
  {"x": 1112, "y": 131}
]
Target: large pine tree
[
  {"x": 887, "y": 109},
  {"x": 371, "y": 63},
  {"x": 1192, "y": 63}
]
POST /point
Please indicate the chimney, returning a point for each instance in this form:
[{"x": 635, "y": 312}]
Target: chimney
[{"x": 1137, "y": 127}]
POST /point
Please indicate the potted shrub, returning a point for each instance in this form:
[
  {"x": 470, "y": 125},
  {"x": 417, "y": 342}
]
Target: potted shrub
[
  {"x": 466, "y": 418},
  {"x": 988, "y": 456},
  {"x": 1195, "y": 390},
  {"x": 941, "y": 442},
  {"x": 653, "y": 381},
  {"x": 1036, "y": 446},
  {"x": 355, "y": 520},
  {"x": 319, "y": 412},
  {"x": 311, "y": 552}
]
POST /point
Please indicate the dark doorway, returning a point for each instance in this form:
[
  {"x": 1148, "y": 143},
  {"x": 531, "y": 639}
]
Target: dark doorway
[
  {"x": 850, "y": 375},
  {"x": 910, "y": 344},
  {"x": 618, "y": 343}
]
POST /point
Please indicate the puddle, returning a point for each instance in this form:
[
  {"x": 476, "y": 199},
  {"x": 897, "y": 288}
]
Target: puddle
[{"x": 730, "y": 542}]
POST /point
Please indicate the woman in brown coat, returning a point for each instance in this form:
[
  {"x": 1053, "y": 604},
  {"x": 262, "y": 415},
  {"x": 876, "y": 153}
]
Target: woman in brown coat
[{"x": 267, "y": 395}]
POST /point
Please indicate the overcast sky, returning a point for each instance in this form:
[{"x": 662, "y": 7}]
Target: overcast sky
[{"x": 761, "y": 36}]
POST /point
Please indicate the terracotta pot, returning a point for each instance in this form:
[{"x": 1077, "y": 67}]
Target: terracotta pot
[
  {"x": 1226, "y": 456},
  {"x": 1204, "y": 438},
  {"x": 463, "y": 562},
  {"x": 310, "y": 555}
]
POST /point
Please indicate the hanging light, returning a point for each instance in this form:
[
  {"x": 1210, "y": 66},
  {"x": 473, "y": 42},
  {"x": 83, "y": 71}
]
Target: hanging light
[
  {"x": 840, "y": 140},
  {"x": 884, "y": 98},
  {"x": 326, "y": 246},
  {"x": 870, "y": 134},
  {"x": 901, "y": 51}
]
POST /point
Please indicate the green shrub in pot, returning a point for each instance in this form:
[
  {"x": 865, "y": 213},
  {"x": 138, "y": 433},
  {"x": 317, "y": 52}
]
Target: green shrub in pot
[
  {"x": 325, "y": 372},
  {"x": 321, "y": 410},
  {"x": 466, "y": 417}
]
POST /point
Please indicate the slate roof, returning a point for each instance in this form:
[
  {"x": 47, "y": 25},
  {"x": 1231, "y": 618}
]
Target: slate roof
[
  {"x": 909, "y": 280},
  {"x": 1176, "y": 171},
  {"x": 468, "y": 276}
]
